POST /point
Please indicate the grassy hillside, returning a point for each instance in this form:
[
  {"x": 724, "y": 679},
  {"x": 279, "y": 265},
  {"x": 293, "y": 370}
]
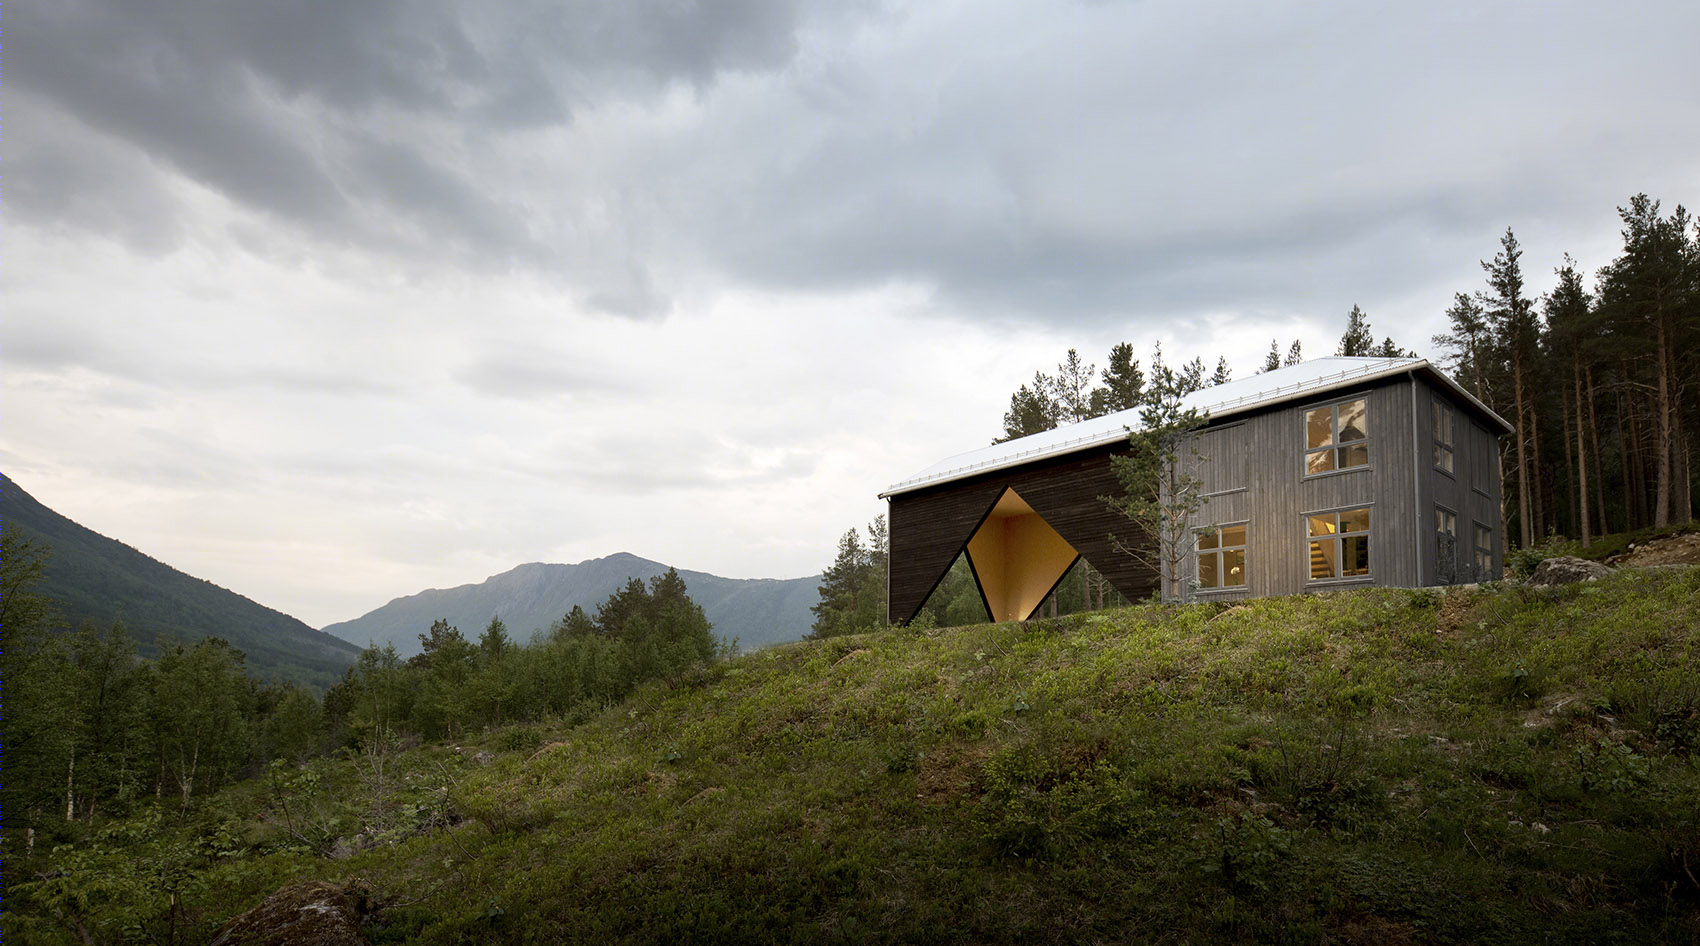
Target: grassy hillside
[
  {"x": 90, "y": 577},
  {"x": 1504, "y": 764}
]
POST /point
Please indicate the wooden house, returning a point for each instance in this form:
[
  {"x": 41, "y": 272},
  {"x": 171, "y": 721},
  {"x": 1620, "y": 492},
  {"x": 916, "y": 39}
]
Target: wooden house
[{"x": 1334, "y": 473}]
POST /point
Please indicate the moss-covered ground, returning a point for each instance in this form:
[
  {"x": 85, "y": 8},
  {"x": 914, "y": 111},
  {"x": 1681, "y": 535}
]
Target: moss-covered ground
[{"x": 1502, "y": 764}]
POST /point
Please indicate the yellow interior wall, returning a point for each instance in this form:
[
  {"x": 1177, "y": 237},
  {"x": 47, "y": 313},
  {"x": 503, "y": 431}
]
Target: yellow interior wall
[{"x": 1018, "y": 558}]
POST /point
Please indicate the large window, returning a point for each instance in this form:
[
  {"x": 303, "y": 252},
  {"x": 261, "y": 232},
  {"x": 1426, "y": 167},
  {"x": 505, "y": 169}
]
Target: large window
[
  {"x": 1221, "y": 557},
  {"x": 1442, "y": 437},
  {"x": 1484, "y": 553},
  {"x": 1337, "y": 436},
  {"x": 1339, "y": 544},
  {"x": 1446, "y": 544}
]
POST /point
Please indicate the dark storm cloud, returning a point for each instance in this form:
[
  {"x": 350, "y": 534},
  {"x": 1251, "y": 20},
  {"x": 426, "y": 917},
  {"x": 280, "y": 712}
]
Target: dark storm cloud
[
  {"x": 323, "y": 114},
  {"x": 1080, "y": 163}
]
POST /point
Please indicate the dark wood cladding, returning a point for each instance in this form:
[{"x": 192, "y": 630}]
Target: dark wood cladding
[{"x": 930, "y": 527}]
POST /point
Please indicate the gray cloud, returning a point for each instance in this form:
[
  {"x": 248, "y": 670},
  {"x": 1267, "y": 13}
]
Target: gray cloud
[{"x": 330, "y": 117}]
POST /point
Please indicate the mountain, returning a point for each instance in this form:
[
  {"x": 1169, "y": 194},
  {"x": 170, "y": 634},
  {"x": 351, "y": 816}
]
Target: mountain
[
  {"x": 90, "y": 577},
  {"x": 754, "y": 611}
]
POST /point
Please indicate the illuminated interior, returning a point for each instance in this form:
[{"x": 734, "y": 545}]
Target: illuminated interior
[{"x": 1018, "y": 558}]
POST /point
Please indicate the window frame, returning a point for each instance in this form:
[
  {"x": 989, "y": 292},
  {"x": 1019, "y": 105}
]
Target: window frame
[
  {"x": 1220, "y": 553},
  {"x": 1335, "y": 448},
  {"x": 1479, "y": 532},
  {"x": 1445, "y": 528},
  {"x": 1444, "y": 434},
  {"x": 1338, "y": 538}
]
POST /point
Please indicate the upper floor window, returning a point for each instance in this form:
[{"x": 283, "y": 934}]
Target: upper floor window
[
  {"x": 1337, "y": 436},
  {"x": 1221, "y": 557},
  {"x": 1442, "y": 437},
  {"x": 1339, "y": 544}
]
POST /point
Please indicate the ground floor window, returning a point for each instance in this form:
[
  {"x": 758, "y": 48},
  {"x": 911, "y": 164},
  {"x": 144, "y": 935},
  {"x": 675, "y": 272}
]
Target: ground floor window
[
  {"x": 1339, "y": 544},
  {"x": 1484, "y": 552},
  {"x": 1446, "y": 544},
  {"x": 1221, "y": 557}
]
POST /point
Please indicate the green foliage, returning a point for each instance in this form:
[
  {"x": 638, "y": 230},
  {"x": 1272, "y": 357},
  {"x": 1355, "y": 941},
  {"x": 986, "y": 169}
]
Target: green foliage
[
  {"x": 852, "y": 590},
  {"x": 1341, "y": 767},
  {"x": 1162, "y": 492}
]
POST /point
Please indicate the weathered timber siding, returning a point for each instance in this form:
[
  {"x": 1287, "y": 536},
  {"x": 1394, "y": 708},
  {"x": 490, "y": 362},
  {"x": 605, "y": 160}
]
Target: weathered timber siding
[
  {"x": 930, "y": 527},
  {"x": 1278, "y": 494},
  {"x": 1470, "y": 491}
]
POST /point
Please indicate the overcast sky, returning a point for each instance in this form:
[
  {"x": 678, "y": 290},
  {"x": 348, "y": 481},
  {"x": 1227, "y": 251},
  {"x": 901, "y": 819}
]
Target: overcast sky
[{"x": 330, "y": 303}]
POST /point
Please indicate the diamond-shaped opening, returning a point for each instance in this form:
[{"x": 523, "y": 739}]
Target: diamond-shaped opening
[
  {"x": 956, "y": 601},
  {"x": 1017, "y": 558}
]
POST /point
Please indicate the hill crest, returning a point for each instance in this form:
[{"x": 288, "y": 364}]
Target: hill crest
[
  {"x": 530, "y": 597},
  {"x": 91, "y": 577}
]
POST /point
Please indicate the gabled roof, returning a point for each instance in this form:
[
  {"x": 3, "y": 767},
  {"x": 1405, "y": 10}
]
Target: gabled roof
[{"x": 1302, "y": 381}]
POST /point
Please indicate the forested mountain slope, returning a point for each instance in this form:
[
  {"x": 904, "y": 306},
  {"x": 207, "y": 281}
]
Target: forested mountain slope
[
  {"x": 90, "y": 577},
  {"x": 531, "y": 597}
]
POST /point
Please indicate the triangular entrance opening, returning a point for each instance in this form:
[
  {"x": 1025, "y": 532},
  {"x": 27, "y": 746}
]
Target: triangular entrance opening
[{"x": 1017, "y": 558}]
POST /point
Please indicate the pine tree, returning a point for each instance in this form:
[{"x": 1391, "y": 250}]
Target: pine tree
[
  {"x": 1032, "y": 409},
  {"x": 1650, "y": 295},
  {"x": 1124, "y": 383},
  {"x": 1517, "y": 334},
  {"x": 1571, "y": 323},
  {"x": 1470, "y": 347},
  {"x": 1161, "y": 489},
  {"x": 1358, "y": 340},
  {"x": 1073, "y": 389},
  {"x": 1272, "y": 360},
  {"x": 853, "y": 589}
]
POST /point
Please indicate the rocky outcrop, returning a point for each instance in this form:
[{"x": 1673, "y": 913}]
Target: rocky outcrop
[
  {"x": 307, "y": 914},
  {"x": 1564, "y": 570}
]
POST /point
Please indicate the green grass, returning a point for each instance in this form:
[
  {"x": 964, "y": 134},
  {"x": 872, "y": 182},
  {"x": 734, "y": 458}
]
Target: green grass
[{"x": 1501, "y": 764}]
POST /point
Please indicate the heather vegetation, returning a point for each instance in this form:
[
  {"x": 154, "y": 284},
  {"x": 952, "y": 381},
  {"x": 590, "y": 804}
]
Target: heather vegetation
[{"x": 1502, "y": 763}]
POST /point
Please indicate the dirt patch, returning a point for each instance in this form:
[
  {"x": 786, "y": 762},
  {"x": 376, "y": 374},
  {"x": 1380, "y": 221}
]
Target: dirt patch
[
  {"x": 1683, "y": 549},
  {"x": 1454, "y": 608},
  {"x": 948, "y": 773}
]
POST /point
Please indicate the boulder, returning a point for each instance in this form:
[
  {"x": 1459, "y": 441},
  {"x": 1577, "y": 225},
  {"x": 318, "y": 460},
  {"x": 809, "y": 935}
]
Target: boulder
[
  {"x": 1564, "y": 569},
  {"x": 307, "y": 914}
]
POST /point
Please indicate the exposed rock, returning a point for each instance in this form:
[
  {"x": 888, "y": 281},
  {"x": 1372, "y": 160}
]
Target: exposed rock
[
  {"x": 1683, "y": 548},
  {"x": 1565, "y": 569},
  {"x": 307, "y": 914}
]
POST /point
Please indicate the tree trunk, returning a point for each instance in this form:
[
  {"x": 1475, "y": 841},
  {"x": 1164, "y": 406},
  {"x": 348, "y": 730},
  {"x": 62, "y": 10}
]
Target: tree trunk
[
  {"x": 1523, "y": 525},
  {"x": 1539, "y": 501},
  {"x": 1575, "y": 526},
  {"x": 1683, "y": 494},
  {"x": 1599, "y": 462},
  {"x": 70, "y": 784},
  {"x": 1667, "y": 440},
  {"x": 1581, "y": 456},
  {"x": 1626, "y": 454}
]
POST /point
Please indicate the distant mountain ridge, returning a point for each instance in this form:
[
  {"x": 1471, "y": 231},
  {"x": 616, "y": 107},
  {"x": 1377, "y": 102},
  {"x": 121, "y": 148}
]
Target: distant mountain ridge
[
  {"x": 89, "y": 577},
  {"x": 754, "y": 611}
]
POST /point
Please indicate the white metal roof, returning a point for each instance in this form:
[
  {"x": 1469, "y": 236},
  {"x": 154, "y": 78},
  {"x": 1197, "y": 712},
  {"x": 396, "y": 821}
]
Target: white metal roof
[{"x": 1303, "y": 380}]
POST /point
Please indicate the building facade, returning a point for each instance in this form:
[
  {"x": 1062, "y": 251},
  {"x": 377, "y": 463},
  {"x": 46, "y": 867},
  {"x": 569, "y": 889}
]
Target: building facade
[{"x": 1335, "y": 473}]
